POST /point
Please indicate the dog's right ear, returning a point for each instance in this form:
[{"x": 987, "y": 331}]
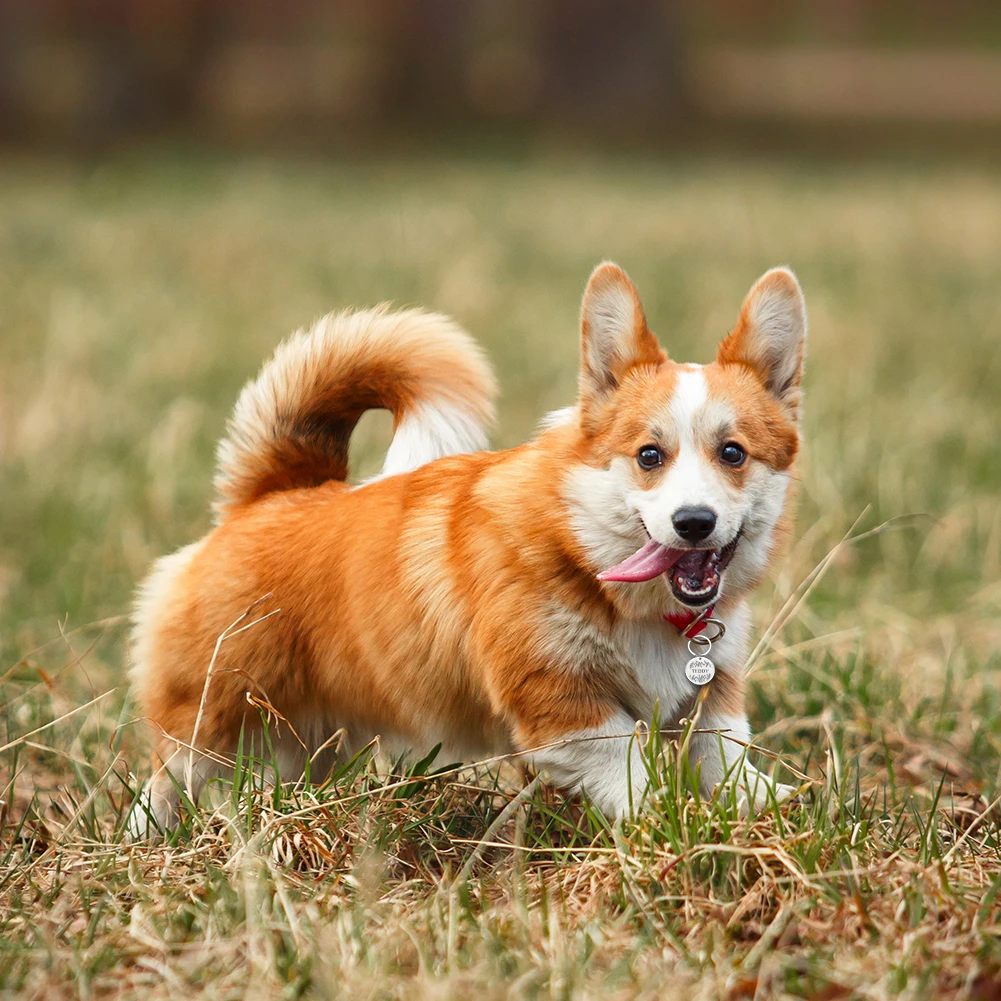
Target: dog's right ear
[{"x": 613, "y": 333}]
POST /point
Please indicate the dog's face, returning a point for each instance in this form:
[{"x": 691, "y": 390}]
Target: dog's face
[{"x": 684, "y": 471}]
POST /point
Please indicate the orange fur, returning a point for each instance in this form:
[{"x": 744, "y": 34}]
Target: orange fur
[
  {"x": 325, "y": 379},
  {"x": 455, "y": 602}
]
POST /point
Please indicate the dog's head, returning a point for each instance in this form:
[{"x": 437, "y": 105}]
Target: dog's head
[{"x": 683, "y": 471}]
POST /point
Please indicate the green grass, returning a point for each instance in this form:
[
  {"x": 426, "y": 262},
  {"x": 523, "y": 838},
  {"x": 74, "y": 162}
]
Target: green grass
[{"x": 137, "y": 296}]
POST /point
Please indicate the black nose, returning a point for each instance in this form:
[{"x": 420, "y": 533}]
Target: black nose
[{"x": 694, "y": 524}]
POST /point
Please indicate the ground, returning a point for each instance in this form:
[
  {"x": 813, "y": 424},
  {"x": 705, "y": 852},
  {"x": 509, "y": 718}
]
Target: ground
[{"x": 139, "y": 292}]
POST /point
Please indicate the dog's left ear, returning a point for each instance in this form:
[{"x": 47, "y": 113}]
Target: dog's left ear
[
  {"x": 770, "y": 336},
  {"x": 613, "y": 333}
]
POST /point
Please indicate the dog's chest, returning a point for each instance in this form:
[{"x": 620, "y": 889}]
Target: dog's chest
[{"x": 646, "y": 659}]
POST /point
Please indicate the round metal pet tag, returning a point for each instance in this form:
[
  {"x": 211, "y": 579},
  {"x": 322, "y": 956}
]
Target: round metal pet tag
[{"x": 700, "y": 670}]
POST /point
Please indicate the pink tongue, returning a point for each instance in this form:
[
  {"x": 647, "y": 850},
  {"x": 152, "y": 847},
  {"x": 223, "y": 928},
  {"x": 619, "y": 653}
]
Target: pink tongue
[{"x": 645, "y": 564}]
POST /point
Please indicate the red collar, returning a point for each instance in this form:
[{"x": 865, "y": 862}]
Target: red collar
[{"x": 682, "y": 621}]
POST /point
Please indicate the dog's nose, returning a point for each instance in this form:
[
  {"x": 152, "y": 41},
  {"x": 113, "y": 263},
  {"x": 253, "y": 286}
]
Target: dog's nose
[{"x": 694, "y": 524}]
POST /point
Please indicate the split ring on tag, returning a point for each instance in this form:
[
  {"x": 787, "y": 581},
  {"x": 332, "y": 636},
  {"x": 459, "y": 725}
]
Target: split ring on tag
[{"x": 700, "y": 670}]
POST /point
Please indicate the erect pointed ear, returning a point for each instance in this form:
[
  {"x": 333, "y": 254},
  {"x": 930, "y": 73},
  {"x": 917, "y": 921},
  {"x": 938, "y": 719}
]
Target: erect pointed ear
[
  {"x": 613, "y": 332},
  {"x": 770, "y": 336}
]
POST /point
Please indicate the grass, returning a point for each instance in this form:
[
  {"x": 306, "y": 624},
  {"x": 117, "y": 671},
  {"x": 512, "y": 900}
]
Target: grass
[{"x": 140, "y": 292}]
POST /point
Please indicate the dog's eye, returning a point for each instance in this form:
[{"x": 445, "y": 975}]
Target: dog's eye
[
  {"x": 649, "y": 457},
  {"x": 732, "y": 454}
]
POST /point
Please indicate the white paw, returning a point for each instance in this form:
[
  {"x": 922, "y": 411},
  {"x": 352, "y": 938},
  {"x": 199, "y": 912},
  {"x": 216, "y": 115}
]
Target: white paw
[
  {"x": 139, "y": 826},
  {"x": 151, "y": 814}
]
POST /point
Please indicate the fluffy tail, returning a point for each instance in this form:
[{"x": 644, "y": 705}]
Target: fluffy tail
[{"x": 292, "y": 424}]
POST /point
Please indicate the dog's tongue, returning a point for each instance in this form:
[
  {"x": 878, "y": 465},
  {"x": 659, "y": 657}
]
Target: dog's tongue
[
  {"x": 689, "y": 566},
  {"x": 645, "y": 564}
]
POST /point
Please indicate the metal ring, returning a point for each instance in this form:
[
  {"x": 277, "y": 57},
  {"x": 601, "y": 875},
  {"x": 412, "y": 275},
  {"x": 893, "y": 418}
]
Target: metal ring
[
  {"x": 720, "y": 630},
  {"x": 704, "y": 641}
]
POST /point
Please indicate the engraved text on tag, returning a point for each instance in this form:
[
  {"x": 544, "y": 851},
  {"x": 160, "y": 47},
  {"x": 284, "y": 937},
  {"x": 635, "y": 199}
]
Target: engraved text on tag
[{"x": 700, "y": 670}]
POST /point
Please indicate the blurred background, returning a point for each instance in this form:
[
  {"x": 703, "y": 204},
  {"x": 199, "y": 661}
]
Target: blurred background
[
  {"x": 183, "y": 182},
  {"x": 659, "y": 70}
]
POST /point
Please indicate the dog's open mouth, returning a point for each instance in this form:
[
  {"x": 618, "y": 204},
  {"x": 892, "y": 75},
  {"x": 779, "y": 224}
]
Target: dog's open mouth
[{"x": 694, "y": 574}]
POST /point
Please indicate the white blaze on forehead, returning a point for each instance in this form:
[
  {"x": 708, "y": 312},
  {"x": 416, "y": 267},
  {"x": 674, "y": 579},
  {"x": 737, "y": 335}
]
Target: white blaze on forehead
[
  {"x": 697, "y": 416},
  {"x": 690, "y": 395},
  {"x": 686, "y": 483}
]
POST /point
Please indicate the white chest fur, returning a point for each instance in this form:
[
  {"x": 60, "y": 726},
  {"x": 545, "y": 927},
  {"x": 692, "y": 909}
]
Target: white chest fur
[
  {"x": 647, "y": 659},
  {"x": 656, "y": 653}
]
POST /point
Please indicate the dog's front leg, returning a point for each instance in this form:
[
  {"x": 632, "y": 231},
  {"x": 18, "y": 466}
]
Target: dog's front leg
[
  {"x": 719, "y": 745},
  {"x": 604, "y": 761}
]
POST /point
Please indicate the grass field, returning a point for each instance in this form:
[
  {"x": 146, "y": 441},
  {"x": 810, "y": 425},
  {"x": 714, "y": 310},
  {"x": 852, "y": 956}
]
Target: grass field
[{"x": 138, "y": 294}]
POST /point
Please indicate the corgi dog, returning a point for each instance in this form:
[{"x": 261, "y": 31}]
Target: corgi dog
[{"x": 539, "y": 600}]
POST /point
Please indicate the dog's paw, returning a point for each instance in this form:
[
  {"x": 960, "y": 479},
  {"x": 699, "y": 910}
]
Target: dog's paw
[{"x": 153, "y": 813}]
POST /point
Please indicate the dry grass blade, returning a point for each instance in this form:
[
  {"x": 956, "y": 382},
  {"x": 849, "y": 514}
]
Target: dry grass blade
[
  {"x": 230, "y": 631},
  {"x": 55, "y": 722}
]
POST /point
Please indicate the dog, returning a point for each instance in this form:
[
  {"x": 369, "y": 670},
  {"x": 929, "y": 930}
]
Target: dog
[{"x": 538, "y": 600}]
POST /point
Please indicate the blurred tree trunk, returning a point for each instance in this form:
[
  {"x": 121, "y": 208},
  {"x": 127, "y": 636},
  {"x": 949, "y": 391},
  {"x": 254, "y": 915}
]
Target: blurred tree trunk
[
  {"x": 613, "y": 65},
  {"x": 425, "y": 56}
]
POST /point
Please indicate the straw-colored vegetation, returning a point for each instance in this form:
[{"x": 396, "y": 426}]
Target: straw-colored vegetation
[{"x": 136, "y": 295}]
